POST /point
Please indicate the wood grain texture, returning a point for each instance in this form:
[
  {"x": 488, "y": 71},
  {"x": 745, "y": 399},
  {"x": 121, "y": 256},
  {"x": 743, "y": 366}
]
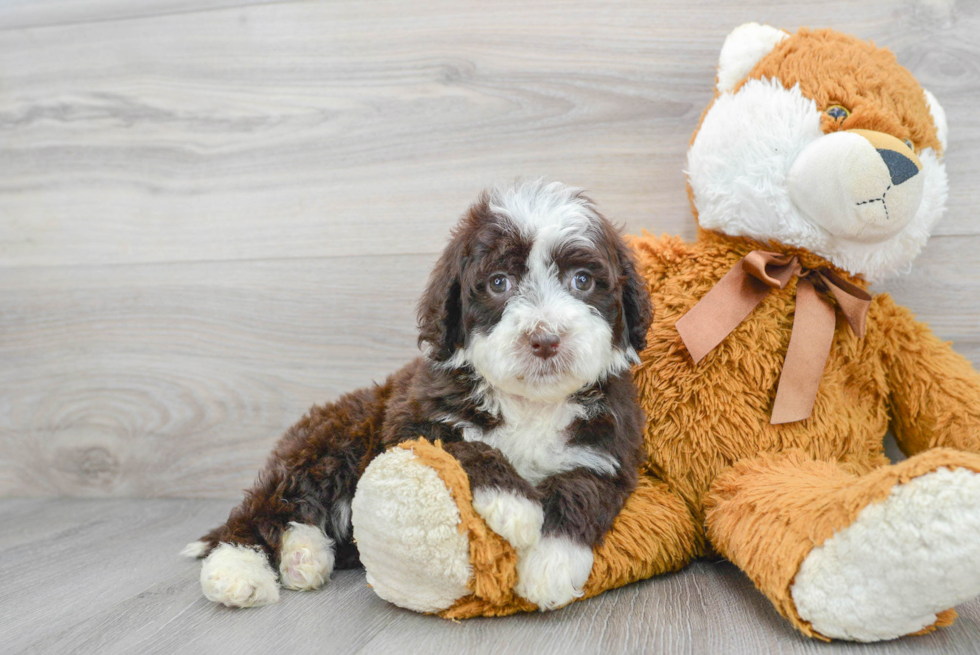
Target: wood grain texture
[
  {"x": 214, "y": 214},
  {"x": 102, "y": 576},
  {"x": 175, "y": 379},
  {"x": 21, "y": 14},
  {"x": 312, "y": 129}
]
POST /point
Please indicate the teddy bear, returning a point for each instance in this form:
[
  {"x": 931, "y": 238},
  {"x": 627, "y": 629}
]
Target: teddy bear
[{"x": 771, "y": 374}]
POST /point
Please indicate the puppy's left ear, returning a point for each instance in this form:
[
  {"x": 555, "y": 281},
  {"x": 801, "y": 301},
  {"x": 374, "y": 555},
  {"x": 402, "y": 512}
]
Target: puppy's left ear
[
  {"x": 637, "y": 309},
  {"x": 440, "y": 310}
]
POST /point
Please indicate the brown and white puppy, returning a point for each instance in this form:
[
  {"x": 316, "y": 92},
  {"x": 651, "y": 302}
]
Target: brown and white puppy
[{"x": 530, "y": 323}]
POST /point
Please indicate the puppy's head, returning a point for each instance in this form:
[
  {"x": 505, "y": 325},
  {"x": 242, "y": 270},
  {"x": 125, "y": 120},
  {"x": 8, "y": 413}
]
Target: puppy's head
[{"x": 537, "y": 293}]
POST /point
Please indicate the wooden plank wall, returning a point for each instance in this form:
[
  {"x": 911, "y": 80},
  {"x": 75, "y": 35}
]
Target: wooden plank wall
[{"x": 216, "y": 213}]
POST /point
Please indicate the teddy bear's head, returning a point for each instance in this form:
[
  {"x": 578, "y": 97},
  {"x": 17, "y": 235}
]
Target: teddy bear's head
[{"x": 820, "y": 141}]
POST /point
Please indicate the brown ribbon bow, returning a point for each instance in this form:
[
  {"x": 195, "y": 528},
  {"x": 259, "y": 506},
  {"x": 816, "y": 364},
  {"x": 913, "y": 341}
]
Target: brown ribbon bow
[{"x": 744, "y": 287}]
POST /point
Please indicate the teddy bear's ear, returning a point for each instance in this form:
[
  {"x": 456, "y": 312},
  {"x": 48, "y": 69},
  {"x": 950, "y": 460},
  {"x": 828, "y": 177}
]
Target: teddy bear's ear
[
  {"x": 744, "y": 47},
  {"x": 939, "y": 118}
]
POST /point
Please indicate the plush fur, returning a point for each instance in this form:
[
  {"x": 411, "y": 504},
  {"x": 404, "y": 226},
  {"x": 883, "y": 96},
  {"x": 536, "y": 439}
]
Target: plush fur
[
  {"x": 741, "y": 161},
  {"x": 718, "y": 478},
  {"x": 898, "y": 564},
  {"x": 530, "y": 321},
  {"x": 420, "y": 522}
]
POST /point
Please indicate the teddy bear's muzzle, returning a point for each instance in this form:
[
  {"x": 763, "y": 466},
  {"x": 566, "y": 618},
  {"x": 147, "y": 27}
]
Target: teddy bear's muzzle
[{"x": 859, "y": 185}]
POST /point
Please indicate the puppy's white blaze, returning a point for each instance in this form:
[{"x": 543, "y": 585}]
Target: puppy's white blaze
[
  {"x": 194, "y": 549},
  {"x": 238, "y": 576},
  {"x": 514, "y": 517},
  {"x": 306, "y": 557},
  {"x": 553, "y": 572},
  {"x": 340, "y": 517},
  {"x": 535, "y": 206},
  {"x": 738, "y": 167}
]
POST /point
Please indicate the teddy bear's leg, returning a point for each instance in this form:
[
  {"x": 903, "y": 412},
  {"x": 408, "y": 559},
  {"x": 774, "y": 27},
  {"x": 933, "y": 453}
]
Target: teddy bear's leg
[
  {"x": 858, "y": 557},
  {"x": 408, "y": 533},
  {"x": 426, "y": 548}
]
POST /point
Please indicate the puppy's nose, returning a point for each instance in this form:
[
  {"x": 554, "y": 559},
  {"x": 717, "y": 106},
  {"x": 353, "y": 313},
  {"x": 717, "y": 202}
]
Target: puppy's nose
[{"x": 543, "y": 344}]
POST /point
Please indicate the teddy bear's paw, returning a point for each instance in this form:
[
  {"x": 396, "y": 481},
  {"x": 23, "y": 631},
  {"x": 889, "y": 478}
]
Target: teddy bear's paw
[
  {"x": 238, "y": 576},
  {"x": 515, "y": 518},
  {"x": 899, "y": 563},
  {"x": 406, "y": 525},
  {"x": 552, "y": 573},
  {"x": 306, "y": 557}
]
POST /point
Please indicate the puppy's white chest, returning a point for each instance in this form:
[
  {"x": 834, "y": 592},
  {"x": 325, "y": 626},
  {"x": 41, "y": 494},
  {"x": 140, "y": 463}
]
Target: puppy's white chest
[{"x": 534, "y": 438}]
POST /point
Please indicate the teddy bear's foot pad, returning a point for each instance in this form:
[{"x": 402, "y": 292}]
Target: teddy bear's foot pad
[
  {"x": 238, "y": 576},
  {"x": 899, "y": 563},
  {"x": 406, "y": 526}
]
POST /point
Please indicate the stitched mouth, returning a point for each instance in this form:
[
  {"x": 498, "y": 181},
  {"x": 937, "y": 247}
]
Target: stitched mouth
[{"x": 881, "y": 200}]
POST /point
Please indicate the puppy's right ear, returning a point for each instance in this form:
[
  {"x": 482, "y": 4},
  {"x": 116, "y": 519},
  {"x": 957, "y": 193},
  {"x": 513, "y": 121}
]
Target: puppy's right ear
[
  {"x": 637, "y": 309},
  {"x": 440, "y": 311}
]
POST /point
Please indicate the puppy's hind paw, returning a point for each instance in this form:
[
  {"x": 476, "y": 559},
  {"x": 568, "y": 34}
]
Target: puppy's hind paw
[
  {"x": 306, "y": 557},
  {"x": 238, "y": 576}
]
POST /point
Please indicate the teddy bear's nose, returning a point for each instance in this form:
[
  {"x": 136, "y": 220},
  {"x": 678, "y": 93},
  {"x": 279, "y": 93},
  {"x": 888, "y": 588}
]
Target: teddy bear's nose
[
  {"x": 899, "y": 157},
  {"x": 899, "y": 166}
]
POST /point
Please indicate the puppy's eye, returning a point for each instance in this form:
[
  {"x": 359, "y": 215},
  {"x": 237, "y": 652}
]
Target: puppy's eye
[
  {"x": 910, "y": 145},
  {"x": 582, "y": 281},
  {"x": 499, "y": 283},
  {"x": 837, "y": 112}
]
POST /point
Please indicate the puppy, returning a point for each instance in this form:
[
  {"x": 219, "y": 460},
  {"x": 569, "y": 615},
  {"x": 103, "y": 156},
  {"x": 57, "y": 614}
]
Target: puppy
[{"x": 529, "y": 323}]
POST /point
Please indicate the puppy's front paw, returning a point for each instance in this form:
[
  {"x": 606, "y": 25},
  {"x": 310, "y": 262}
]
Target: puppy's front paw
[
  {"x": 306, "y": 557},
  {"x": 515, "y": 518},
  {"x": 552, "y": 573},
  {"x": 238, "y": 576}
]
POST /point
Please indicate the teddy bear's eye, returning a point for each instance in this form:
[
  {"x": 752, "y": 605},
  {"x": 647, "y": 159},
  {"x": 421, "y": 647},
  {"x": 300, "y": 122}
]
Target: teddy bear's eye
[
  {"x": 909, "y": 144},
  {"x": 837, "y": 112}
]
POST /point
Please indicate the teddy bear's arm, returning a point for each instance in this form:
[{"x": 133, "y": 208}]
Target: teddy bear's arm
[{"x": 934, "y": 391}]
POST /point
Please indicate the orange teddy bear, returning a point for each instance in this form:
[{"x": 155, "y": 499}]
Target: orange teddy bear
[{"x": 771, "y": 374}]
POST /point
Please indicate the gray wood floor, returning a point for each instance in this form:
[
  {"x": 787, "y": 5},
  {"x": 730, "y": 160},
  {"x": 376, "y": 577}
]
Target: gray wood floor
[
  {"x": 102, "y": 576},
  {"x": 216, "y": 213}
]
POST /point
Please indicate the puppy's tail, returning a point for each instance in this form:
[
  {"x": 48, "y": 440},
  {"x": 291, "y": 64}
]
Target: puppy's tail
[{"x": 197, "y": 549}]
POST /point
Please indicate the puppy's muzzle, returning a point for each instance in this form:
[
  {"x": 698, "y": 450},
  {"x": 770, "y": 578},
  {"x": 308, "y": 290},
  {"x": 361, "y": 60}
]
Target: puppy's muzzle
[{"x": 543, "y": 344}]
